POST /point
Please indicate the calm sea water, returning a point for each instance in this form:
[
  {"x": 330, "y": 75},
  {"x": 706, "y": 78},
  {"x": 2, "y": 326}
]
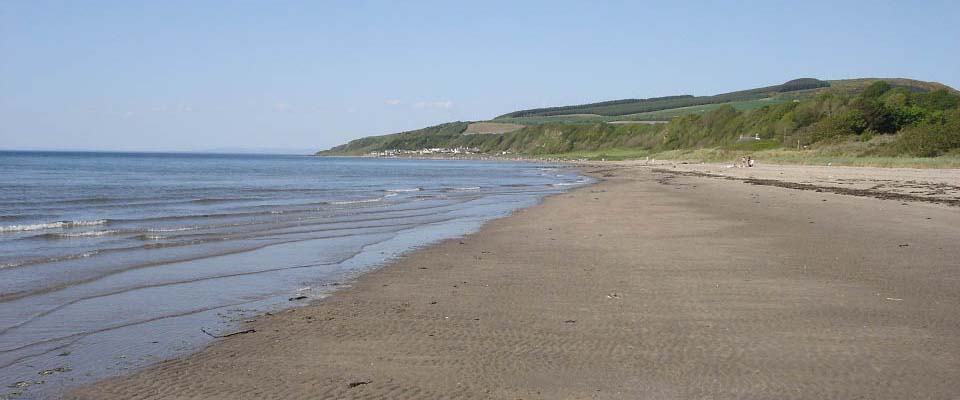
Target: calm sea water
[{"x": 110, "y": 261}]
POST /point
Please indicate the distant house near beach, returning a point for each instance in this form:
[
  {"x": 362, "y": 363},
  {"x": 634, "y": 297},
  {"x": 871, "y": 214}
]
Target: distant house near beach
[
  {"x": 753, "y": 138},
  {"x": 425, "y": 151}
]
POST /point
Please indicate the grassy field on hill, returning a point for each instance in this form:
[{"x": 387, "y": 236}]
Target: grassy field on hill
[{"x": 491, "y": 128}]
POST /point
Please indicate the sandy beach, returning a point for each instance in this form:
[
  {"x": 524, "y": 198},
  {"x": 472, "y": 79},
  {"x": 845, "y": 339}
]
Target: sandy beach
[{"x": 662, "y": 282}]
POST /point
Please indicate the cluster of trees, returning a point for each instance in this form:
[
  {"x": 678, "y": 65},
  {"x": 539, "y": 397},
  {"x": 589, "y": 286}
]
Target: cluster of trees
[
  {"x": 430, "y": 137},
  {"x": 799, "y": 84},
  {"x": 635, "y": 106},
  {"x": 927, "y": 123},
  {"x": 536, "y": 139},
  {"x": 555, "y": 138}
]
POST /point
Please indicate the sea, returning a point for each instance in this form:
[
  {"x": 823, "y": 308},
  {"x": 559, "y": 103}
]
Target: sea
[{"x": 112, "y": 261}]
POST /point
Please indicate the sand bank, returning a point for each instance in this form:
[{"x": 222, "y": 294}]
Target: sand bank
[{"x": 651, "y": 284}]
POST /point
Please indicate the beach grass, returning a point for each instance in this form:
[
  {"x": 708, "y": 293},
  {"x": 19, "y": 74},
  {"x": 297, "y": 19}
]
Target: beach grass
[
  {"x": 868, "y": 161},
  {"x": 809, "y": 157},
  {"x": 762, "y": 154},
  {"x": 613, "y": 154}
]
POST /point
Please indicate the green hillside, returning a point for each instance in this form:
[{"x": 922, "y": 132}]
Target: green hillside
[
  {"x": 659, "y": 115},
  {"x": 533, "y": 140},
  {"x": 434, "y": 136},
  {"x": 635, "y": 106},
  {"x": 864, "y": 117},
  {"x": 665, "y": 108}
]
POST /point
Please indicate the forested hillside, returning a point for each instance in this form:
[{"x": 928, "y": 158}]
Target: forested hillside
[
  {"x": 634, "y": 106},
  {"x": 902, "y": 122},
  {"x": 433, "y": 136},
  {"x": 879, "y": 119},
  {"x": 666, "y": 108}
]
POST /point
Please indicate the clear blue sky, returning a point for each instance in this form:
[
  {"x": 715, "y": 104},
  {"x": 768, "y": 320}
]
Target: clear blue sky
[{"x": 200, "y": 75}]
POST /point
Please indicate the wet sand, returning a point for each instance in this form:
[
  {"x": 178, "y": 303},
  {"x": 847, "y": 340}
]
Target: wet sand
[{"x": 655, "y": 284}]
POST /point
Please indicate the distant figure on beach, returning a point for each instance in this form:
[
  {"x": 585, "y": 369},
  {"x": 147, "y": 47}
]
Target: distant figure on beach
[
  {"x": 749, "y": 161},
  {"x": 742, "y": 163}
]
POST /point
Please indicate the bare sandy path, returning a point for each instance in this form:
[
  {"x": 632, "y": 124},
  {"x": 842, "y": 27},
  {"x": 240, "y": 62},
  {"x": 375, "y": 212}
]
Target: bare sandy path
[{"x": 649, "y": 285}]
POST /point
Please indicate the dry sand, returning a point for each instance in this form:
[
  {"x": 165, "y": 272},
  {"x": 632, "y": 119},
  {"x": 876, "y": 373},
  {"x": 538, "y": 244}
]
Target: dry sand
[{"x": 651, "y": 284}]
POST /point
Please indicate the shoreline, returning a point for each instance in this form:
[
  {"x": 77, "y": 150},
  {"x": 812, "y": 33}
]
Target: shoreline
[
  {"x": 891, "y": 162},
  {"x": 594, "y": 293},
  {"x": 84, "y": 321}
]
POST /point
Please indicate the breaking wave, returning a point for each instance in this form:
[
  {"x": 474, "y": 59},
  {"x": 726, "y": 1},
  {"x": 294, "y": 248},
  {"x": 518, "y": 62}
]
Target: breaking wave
[
  {"x": 51, "y": 225},
  {"x": 70, "y": 235},
  {"x": 360, "y": 201}
]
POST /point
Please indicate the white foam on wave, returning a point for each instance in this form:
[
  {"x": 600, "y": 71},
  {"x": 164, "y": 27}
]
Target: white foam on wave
[
  {"x": 403, "y": 190},
  {"x": 467, "y": 188},
  {"x": 54, "y": 259},
  {"x": 51, "y": 225},
  {"x": 340, "y": 203},
  {"x": 86, "y": 234},
  {"x": 177, "y": 229}
]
